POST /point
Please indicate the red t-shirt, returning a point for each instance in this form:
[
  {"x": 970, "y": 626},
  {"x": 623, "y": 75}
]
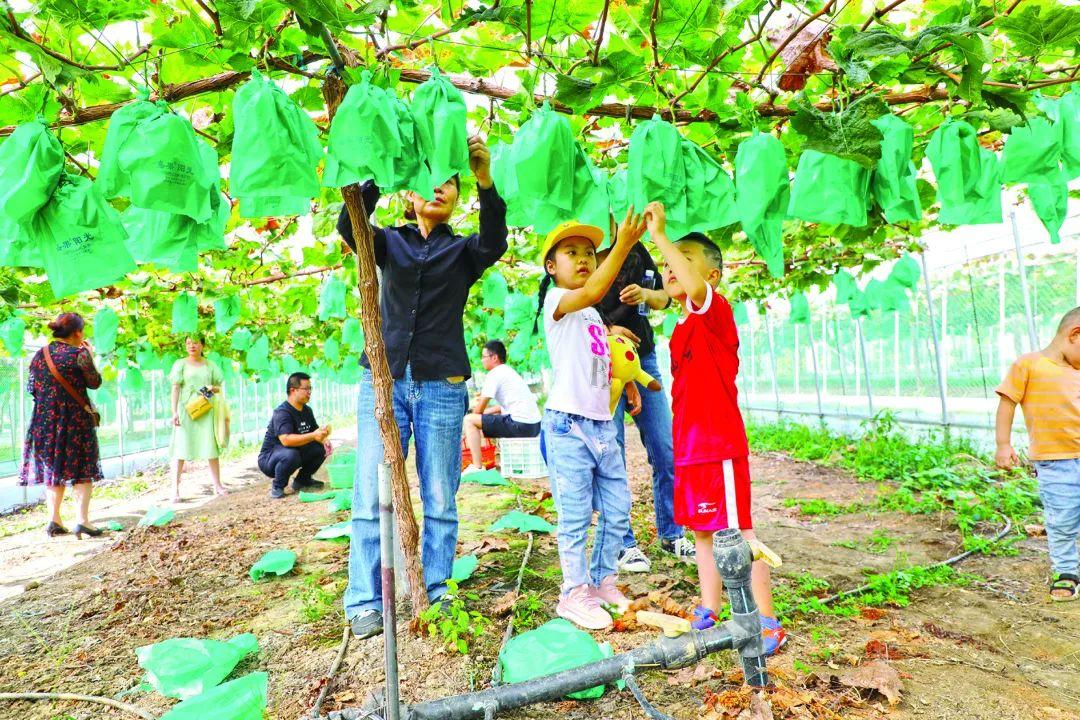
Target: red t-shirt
[{"x": 707, "y": 425}]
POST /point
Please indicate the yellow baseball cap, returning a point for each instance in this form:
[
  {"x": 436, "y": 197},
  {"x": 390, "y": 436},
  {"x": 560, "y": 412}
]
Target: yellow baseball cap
[{"x": 571, "y": 228}]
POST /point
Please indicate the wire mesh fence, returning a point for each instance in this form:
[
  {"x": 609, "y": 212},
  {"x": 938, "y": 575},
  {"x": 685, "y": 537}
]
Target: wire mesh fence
[{"x": 136, "y": 425}]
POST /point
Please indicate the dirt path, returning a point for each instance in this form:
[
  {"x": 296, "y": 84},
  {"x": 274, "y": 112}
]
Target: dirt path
[{"x": 993, "y": 649}]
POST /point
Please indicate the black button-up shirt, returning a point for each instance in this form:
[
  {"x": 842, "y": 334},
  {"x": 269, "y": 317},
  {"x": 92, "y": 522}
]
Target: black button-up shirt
[{"x": 425, "y": 284}]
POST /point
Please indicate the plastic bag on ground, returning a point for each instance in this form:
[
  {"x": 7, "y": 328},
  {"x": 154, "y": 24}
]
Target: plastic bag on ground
[
  {"x": 968, "y": 176},
  {"x": 81, "y": 238},
  {"x": 1032, "y": 153},
  {"x": 226, "y": 313},
  {"x": 157, "y": 517},
  {"x": 439, "y": 112},
  {"x": 240, "y": 699},
  {"x": 761, "y": 194},
  {"x": 830, "y": 189},
  {"x": 276, "y": 562},
  {"x": 339, "y": 532},
  {"x": 185, "y": 314},
  {"x": 332, "y": 299},
  {"x": 463, "y": 568},
  {"x": 31, "y": 163},
  {"x": 522, "y": 522},
  {"x": 485, "y": 477},
  {"x": 275, "y": 152},
  {"x": 341, "y": 501},
  {"x": 894, "y": 178},
  {"x": 12, "y": 334},
  {"x": 310, "y": 497},
  {"x": 185, "y": 667},
  {"x": 553, "y": 647}
]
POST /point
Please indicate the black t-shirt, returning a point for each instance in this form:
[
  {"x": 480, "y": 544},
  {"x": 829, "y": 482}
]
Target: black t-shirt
[
  {"x": 613, "y": 309},
  {"x": 287, "y": 420}
]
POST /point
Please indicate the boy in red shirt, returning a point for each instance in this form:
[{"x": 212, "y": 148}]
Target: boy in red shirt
[{"x": 712, "y": 470}]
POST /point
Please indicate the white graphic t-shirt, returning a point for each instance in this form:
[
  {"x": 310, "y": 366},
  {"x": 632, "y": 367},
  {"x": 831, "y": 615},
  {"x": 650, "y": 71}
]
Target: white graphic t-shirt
[{"x": 578, "y": 348}]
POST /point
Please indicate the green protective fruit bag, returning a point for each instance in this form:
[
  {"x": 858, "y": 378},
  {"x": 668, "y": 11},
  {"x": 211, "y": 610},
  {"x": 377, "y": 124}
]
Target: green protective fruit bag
[
  {"x": 289, "y": 365},
  {"x": 553, "y": 647},
  {"x": 226, "y": 313},
  {"x": 493, "y": 326},
  {"x": 332, "y": 350},
  {"x": 968, "y": 176},
  {"x": 655, "y": 171},
  {"x": 893, "y": 296},
  {"x": 830, "y": 189},
  {"x": 185, "y": 667},
  {"x": 17, "y": 247},
  {"x": 738, "y": 311},
  {"x": 906, "y": 272},
  {"x": 275, "y": 151},
  {"x": 761, "y": 195},
  {"x": 113, "y": 180},
  {"x": 522, "y": 522},
  {"x": 463, "y": 568},
  {"x": 81, "y": 238},
  {"x": 341, "y": 501},
  {"x": 439, "y": 112},
  {"x": 185, "y": 314},
  {"x": 157, "y": 517},
  {"x": 521, "y": 346},
  {"x": 338, "y": 531},
  {"x": 310, "y": 497},
  {"x": 494, "y": 289},
  {"x": 164, "y": 166},
  {"x": 275, "y": 562},
  {"x": 258, "y": 355},
  {"x": 800, "y": 309},
  {"x": 31, "y": 163},
  {"x": 617, "y": 192},
  {"x": 106, "y": 323},
  {"x": 352, "y": 334},
  {"x": 241, "y": 340},
  {"x": 240, "y": 699},
  {"x": 1032, "y": 154},
  {"x": 894, "y": 177},
  {"x": 13, "y": 334},
  {"x": 1068, "y": 117},
  {"x": 710, "y": 192},
  {"x": 845, "y": 286},
  {"x": 858, "y": 304},
  {"x": 162, "y": 238},
  {"x": 365, "y": 138},
  {"x": 519, "y": 311},
  {"x": 485, "y": 477},
  {"x": 1051, "y": 203},
  {"x": 332, "y": 299},
  {"x": 210, "y": 235},
  {"x": 410, "y": 168},
  {"x": 133, "y": 382}
]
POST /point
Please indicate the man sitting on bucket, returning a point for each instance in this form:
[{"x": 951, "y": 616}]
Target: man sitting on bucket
[
  {"x": 517, "y": 416},
  {"x": 294, "y": 441}
]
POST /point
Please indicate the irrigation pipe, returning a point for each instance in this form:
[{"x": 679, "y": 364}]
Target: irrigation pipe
[
  {"x": 951, "y": 561},
  {"x": 79, "y": 698},
  {"x": 316, "y": 710}
]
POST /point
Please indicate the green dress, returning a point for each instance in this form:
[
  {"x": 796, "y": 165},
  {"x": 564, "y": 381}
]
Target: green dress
[{"x": 194, "y": 439}]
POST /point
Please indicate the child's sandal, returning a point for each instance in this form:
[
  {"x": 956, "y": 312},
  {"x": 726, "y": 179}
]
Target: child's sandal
[{"x": 1067, "y": 582}]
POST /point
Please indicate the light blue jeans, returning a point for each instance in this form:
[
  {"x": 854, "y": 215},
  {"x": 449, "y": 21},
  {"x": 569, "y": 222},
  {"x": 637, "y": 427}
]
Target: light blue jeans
[
  {"x": 654, "y": 426},
  {"x": 431, "y": 413},
  {"x": 1059, "y": 487},
  {"x": 587, "y": 471}
]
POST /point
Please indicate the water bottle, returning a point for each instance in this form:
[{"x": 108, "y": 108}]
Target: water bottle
[{"x": 647, "y": 283}]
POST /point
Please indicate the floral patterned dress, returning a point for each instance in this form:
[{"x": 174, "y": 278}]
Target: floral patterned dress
[{"x": 61, "y": 443}]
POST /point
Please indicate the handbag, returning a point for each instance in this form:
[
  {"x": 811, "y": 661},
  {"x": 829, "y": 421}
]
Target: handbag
[
  {"x": 200, "y": 404},
  {"x": 222, "y": 421},
  {"x": 82, "y": 400}
]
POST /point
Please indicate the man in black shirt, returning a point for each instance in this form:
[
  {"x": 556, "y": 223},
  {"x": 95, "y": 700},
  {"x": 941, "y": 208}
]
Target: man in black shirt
[
  {"x": 637, "y": 290},
  {"x": 294, "y": 441},
  {"x": 427, "y": 271}
]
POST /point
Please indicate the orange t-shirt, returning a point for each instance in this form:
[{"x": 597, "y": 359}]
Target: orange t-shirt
[{"x": 1049, "y": 394}]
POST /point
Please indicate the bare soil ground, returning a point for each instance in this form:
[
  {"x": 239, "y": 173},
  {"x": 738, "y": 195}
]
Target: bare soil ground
[{"x": 996, "y": 649}]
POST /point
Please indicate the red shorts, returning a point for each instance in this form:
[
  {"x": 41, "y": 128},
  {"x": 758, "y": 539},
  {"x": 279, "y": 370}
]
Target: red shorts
[{"x": 714, "y": 496}]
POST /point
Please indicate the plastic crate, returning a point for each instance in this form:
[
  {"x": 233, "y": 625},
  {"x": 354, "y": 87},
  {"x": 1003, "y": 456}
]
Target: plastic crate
[
  {"x": 487, "y": 454},
  {"x": 521, "y": 458}
]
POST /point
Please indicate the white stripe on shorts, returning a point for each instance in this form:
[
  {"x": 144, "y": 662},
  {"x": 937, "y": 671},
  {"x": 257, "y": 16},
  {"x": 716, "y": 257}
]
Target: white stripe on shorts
[{"x": 730, "y": 503}]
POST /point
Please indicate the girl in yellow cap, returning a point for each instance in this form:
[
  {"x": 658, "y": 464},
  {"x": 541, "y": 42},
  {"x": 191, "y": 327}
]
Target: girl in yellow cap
[{"x": 585, "y": 463}]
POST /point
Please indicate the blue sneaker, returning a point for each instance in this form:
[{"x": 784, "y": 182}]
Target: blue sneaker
[
  {"x": 704, "y": 618},
  {"x": 773, "y": 636}
]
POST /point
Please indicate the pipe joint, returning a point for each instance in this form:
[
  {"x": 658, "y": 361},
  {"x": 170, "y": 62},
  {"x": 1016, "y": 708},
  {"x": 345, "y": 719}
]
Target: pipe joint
[
  {"x": 745, "y": 629},
  {"x": 733, "y": 558}
]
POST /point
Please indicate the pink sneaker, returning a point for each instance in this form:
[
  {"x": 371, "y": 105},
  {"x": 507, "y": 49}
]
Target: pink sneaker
[
  {"x": 609, "y": 594},
  {"x": 581, "y": 607}
]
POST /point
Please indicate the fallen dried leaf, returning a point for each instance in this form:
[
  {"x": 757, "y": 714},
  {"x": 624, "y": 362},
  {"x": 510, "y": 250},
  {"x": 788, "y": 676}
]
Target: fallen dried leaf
[
  {"x": 870, "y": 613},
  {"x": 504, "y": 604},
  {"x": 888, "y": 651},
  {"x": 878, "y": 676},
  {"x": 759, "y": 708},
  {"x": 1035, "y": 530},
  {"x": 484, "y": 546}
]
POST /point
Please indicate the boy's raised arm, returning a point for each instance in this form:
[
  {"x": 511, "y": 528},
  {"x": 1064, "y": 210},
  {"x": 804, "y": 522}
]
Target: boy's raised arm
[{"x": 692, "y": 282}]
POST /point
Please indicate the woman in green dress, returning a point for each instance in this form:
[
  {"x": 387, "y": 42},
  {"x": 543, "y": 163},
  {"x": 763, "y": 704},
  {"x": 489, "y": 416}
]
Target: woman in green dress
[{"x": 194, "y": 439}]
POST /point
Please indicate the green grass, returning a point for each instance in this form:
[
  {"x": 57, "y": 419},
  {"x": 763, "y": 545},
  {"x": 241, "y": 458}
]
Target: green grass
[
  {"x": 815, "y": 506},
  {"x": 878, "y": 543}
]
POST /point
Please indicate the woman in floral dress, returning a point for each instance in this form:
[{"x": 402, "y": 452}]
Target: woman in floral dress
[
  {"x": 194, "y": 439},
  {"x": 61, "y": 447}
]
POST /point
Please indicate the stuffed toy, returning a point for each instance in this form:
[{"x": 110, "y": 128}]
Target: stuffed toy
[{"x": 626, "y": 368}]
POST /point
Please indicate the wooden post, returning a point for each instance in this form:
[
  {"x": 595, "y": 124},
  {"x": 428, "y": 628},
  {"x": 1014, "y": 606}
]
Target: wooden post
[{"x": 371, "y": 319}]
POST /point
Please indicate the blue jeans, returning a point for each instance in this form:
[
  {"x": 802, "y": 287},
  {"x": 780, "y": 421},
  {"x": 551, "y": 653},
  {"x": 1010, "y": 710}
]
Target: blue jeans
[
  {"x": 586, "y": 471},
  {"x": 431, "y": 412},
  {"x": 1059, "y": 487},
  {"x": 654, "y": 426}
]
